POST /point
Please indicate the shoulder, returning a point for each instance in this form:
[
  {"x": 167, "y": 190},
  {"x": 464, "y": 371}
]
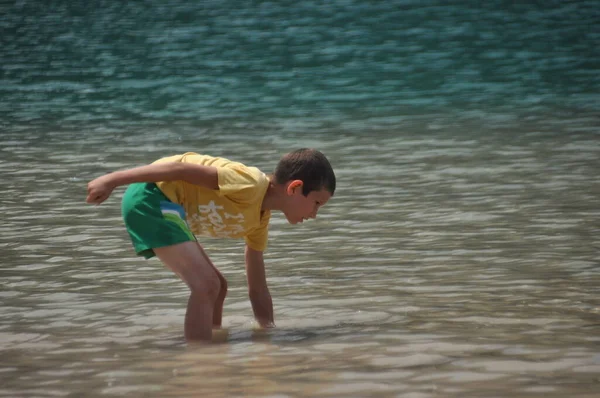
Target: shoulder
[
  {"x": 214, "y": 161},
  {"x": 237, "y": 181},
  {"x": 196, "y": 158},
  {"x": 235, "y": 178}
]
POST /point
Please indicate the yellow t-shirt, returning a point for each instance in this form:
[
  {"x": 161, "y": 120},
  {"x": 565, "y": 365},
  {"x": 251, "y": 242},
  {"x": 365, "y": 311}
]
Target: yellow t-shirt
[{"x": 232, "y": 211}]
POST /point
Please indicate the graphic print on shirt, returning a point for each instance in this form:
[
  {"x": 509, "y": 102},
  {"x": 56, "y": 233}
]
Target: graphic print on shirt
[{"x": 213, "y": 220}]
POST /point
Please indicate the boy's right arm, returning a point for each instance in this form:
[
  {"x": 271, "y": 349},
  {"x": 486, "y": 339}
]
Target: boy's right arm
[
  {"x": 100, "y": 188},
  {"x": 260, "y": 298}
]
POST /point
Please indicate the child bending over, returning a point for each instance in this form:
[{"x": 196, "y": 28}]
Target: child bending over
[{"x": 175, "y": 198}]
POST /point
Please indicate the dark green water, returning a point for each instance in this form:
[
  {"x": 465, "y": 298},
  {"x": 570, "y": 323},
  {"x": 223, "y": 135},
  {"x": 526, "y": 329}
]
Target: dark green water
[
  {"x": 460, "y": 256},
  {"x": 334, "y": 65}
]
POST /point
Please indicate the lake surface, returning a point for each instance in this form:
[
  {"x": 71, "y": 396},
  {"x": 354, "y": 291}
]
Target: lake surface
[{"x": 459, "y": 257}]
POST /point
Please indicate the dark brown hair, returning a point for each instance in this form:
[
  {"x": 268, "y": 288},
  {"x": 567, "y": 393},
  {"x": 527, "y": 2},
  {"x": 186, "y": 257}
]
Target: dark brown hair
[{"x": 308, "y": 165}]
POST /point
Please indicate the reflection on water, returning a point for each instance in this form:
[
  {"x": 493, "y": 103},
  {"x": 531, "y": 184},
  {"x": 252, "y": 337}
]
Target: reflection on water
[
  {"x": 446, "y": 265},
  {"x": 458, "y": 258}
]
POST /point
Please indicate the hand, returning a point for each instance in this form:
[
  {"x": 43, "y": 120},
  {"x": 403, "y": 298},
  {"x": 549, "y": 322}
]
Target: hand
[
  {"x": 99, "y": 190},
  {"x": 266, "y": 324}
]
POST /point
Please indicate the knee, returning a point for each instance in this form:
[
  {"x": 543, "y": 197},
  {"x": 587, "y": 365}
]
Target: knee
[{"x": 208, "y": 286}]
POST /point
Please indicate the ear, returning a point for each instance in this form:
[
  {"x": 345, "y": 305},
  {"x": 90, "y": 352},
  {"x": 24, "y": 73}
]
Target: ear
[{"x": 293, "y": 186}]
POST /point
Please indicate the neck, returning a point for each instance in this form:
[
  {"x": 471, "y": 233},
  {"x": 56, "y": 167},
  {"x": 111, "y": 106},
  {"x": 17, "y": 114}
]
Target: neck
[{"x": 273, "y": 199}]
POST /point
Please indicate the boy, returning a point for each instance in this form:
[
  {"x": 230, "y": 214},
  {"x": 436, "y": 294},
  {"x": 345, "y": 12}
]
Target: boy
[{"x": 176, "y": 197}]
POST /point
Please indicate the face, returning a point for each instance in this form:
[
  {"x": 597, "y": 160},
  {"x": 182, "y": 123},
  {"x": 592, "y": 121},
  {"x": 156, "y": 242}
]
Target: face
[{"x": 300, "y": 207}]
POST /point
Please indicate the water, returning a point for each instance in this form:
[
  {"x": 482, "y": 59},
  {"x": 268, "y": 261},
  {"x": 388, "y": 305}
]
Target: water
[{"x": 458, "y": 258}]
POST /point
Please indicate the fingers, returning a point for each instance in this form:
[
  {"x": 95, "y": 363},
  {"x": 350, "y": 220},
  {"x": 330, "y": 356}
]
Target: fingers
[
  {"x": 96, "y": 197},
  {"x": 97, "y": 192},
  {"x": 265, "y": 324}
]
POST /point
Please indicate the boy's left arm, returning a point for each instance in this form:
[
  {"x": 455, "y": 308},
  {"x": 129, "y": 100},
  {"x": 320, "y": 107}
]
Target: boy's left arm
[{"x": 258, "y": 291}]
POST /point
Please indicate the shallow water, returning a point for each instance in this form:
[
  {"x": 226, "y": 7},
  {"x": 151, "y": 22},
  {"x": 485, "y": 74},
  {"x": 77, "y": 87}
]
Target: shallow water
[
  {"x": 460, "y": 256},
  {"x": 446, "y": 265}
]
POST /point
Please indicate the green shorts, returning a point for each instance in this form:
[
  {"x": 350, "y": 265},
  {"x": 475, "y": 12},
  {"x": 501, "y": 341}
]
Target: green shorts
[{"x": 152, "y": 220}]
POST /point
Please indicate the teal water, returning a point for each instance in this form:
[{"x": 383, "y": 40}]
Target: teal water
[
  {"x": 331, "y": 65},
  {"x": 460, "y": 256}
]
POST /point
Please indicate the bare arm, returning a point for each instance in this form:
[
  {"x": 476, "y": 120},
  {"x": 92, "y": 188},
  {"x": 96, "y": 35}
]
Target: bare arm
[
  {"x": 100, "y": 188},
  {"x": 262, "y": 304}
]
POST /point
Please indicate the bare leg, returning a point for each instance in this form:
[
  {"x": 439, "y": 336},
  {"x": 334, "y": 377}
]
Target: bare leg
[
  {"x": 191, "y": 264},
  {"x": 197, "y": 317},
  {"x": 218, "y": 308}
]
